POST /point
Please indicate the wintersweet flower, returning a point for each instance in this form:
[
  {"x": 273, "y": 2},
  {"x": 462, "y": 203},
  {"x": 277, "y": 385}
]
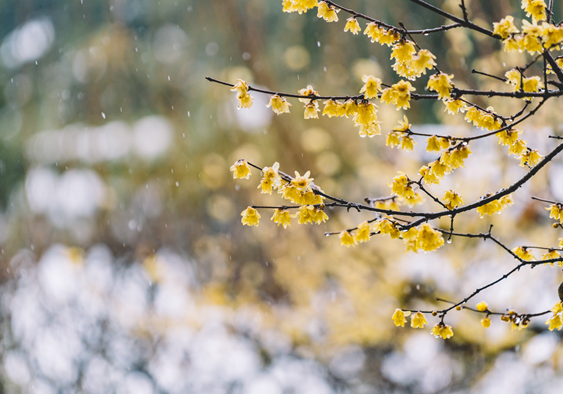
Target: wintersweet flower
[
  {"x": 418, "y": 320},
  {"x": 530, "y": 157},
  {"x": 385, "y": 226},
  {"x": 486, "y": 322},
  {"x": 271, "y": 179},
  {"x": 364, "y": 232},
  {"x": 241, "y": 170},
  {"x": 245, "y": 99},
  {"x": 422, "y": 61},
  {"x": 328, "y": 13},
  {"x": 552, "y": 35},
  {"x": 283, "y": 217},
  {"x": 352, "y": 26},
  {"x": 508, "y": 137},
  {"x": 433, "y": 144},
  {"x": 455, "y": 106},
  {"x": 371, "y": 86},
  {"x": 523, "y": 253},
  {"x": 399, "y": 184},
  {"x": 555, "y": 322},
  {"x": 302, "y": 182},
  {"x": 442, "y": 84},
  {"x": 407, "y": 143},
  {"x": 300, "y": 6},
  {"x": 332, "y": 108},
  {"x": 518, "y": 148},
  {"x": 505, "y": 27},
  {"x": 555, "y": 211},
  {"x": 393, "y": 139},
  {"x": 308, "y": 91},
  {"x": 442, "y": 330},
  {"x": 534, "y": 8},
  {"x": 557, "y": 308},
  {"x": 429, "y": 239},
  {"x": 399, "y": 317},
  {"x": 279, "y": 104},
  {"x": 490, "y": 208},
  {"x": 403, "y": 52},
  {"x": 311, "y": 110},
  {"x": 402, "y": 94},
  {"x": 482, "y": 306},
  {"x": 452, "y": 199},
  {"x": 347, "y": 239},
  {"x": 551, "y": 255},
  {"x": 250, "y": 217}
]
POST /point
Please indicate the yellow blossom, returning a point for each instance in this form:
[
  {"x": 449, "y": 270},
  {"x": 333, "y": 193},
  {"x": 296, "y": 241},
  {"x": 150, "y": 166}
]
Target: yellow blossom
[
  {"x": 552, "y": 35},
  {"x": 506, "y": 201},
  {"x": 373, "y": 31},
  {"x": 347, "y": 239},
  {"x": 399, "y": 317},
  {"x": 400, "y": 183},
  {"x": 433, "y": 144},
  {"x": 250, "y": 217},
  {"x": 302, "y": 182},
  {"x": 308, "y": 91},
  {"x": 555, "y": 322},
  {"x": 523, "y": 253},
  {"x": 530, "y": 157},
  {"x": 511, "y": 44},
  {"x": 411, "y": 239},
  {"x": 402, "y": 94},
  {"x": 385, "y": 226},
  {"x": 486, "y": 322},
  {"x": 473, "y": 115},
  {"x": 508, "y": 137},
  {"x": 505, "y": 27},
  {"x": 452, "y": 199},
  {"x": 412, "y": 201},
  {"x": 371, "y": 86},
  {"x": 298, "y": 5},
  {"x": 407, "y": 143},
  {"x": 352, "y": 25},
  {"x": 364, "y": 232},
  {"x": 442, "y": 330},
  {"x": 555, "y": 211},
  {"x": 350, "y": 108},
  {"x": 482, "y": 306},
  {"x": 490, "y": 208},
  {"x": 455, "y": 106},
  {"x": 241, "y": 170},
  {"x": 283, "y": 217},
  {"x": 393, "y": 139},
  {"x": 517, "y": 148},
  {"x": 311, "y": 110},
  {"x": 271, "y": 178},
  {"x": 442, "y": 84},
  {"x": 279, "y": 104},
  {"x": 328, "y": 13},
  {"x": 403, "y": 52},
  {"x": 366, "y": 114},
  {"x": 557, "y": 308},
  {"x": 418, "y": 320},
  {"x": 422, "y": 61},
  {"x": 332, "y": 108},
  {"x": 403, "y": 126},
  {"x": 551, "y": 255},
  {"x": 534, "y": 8},
  {"x": 429, "y": 239},
  {"x": 245, "y": 100}
]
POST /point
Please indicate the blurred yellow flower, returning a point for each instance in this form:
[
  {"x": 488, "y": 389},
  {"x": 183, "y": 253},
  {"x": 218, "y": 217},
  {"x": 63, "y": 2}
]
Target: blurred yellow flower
[
  {"x": 418, "y": 320},
  {"x": 282, "y": 217},
  {"x": 347, "y": 239},
  {"x": 482, "y": 306},
  {"x": 442, "y": 330},
  {"x": 371, "y": 86},
  {"x": 363, "y": 232},
  {"x": 523, "y": 253},
  {"x": 399, "y": 317},
  {"x": 505, "y": 27},
  {"x": 486, "y": 322},
  {"x": 352, "y": 26},
  {"x": 279, "y": 104},
  {"x": 442, "y": 84}
]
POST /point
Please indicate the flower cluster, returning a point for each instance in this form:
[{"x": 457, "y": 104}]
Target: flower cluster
[
  {"x": 483, "y": 119},
  {"x": 442, "y": 84},
  {"x": 448, "y": 161},
  {"x": 417, "y": 320},
  {"x": 410, "y": 64},
  {"x": 400, "y": 136},
  {"x": 533, "y": 38},
  {"x": 398, "y": 94},
  {"x": 379, "y": 34}
]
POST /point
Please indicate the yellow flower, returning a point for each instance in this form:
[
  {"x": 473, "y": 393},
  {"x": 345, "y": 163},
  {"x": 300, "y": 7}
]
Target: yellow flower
[
  {"x": 490, "y": 208},
  {"x": 347, "y": 239},
  {"x": 550, "y": 255},
  {"x": 350, "y": 108},
  {"x": 393, "y": 139},
  {"x": 332, "y": 108},
  {"x": 279, "y": 104},
  {"x": 473, "y": 115},
  {"x": 517, "y": 148},
  {"x": 328, "y": 13},
  {"x": 408, "y": 143},
  {"x": 404, "y": 125},
  {"x": 555, "y": 322},
  {"x": 530, "y": 157},
  {"x": 458, "y": 155},
  {"x": 506, "y": 200},
  {"x": 241, "y": 170},
  {"x": 364, "y": 232},
  {"x": 298, "y": 5},
  {"x": 508, "y": 137},
  {"x": 411, "y": 239},
  {"x": 429, "y": 239},
  {"x": 505, "y": 27},
  {"x": 373, "y": 31},
  {"x": 422, "y": 61},
  {"x": 370, "y": 130},
  {"x": 400, "y": 183},
  {"x": 486, "y": 322},
  {"x": 403, "y": 52},
  {"x": 560, "y": 242},
  {"x": 452, "y": 199},
  {"x": 283, "y": 217},
  {"x": 555, "y": 211},
  {"x": 557, "y": 308},
  {"x": 245, "y": 100},
  {"x": 433, "y": 144},
  {"x": 308, "y": 91},
  {"x": 250, "y": 217},
  {"x": 352, "y": 25},
  {"x": 371, "y": 86},
  {"x": 552, "y": 35},
  {"x": 511, "y": 44},
  {"x": 442, "y": 330},
  {"x": 482, "y": 306},
  {"x": 417, "y": 199},
  {"x": 429, "y": 176},
  {"x": 311, "y": 110},
  {"x": 385, "y": 226},
  {"x": 523, "y": 253},
  {"x": 534, "y": 8},
  {"x": 455, "y": 106},
  {"x": 399, "y": 317},
  {"x": 442, "y": 84},
  {"x": 271, "y": 178},
  {"x": 366, "y": 114},
  {"x": 302, "y": 182},
  {"x": 402, "y": 94},
  {"x": 418, "y": 320},
  {"x": 532, "y": 84}
]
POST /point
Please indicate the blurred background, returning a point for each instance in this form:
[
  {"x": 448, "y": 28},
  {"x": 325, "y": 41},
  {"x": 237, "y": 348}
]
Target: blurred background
[{"x": 124, "y": 266}]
